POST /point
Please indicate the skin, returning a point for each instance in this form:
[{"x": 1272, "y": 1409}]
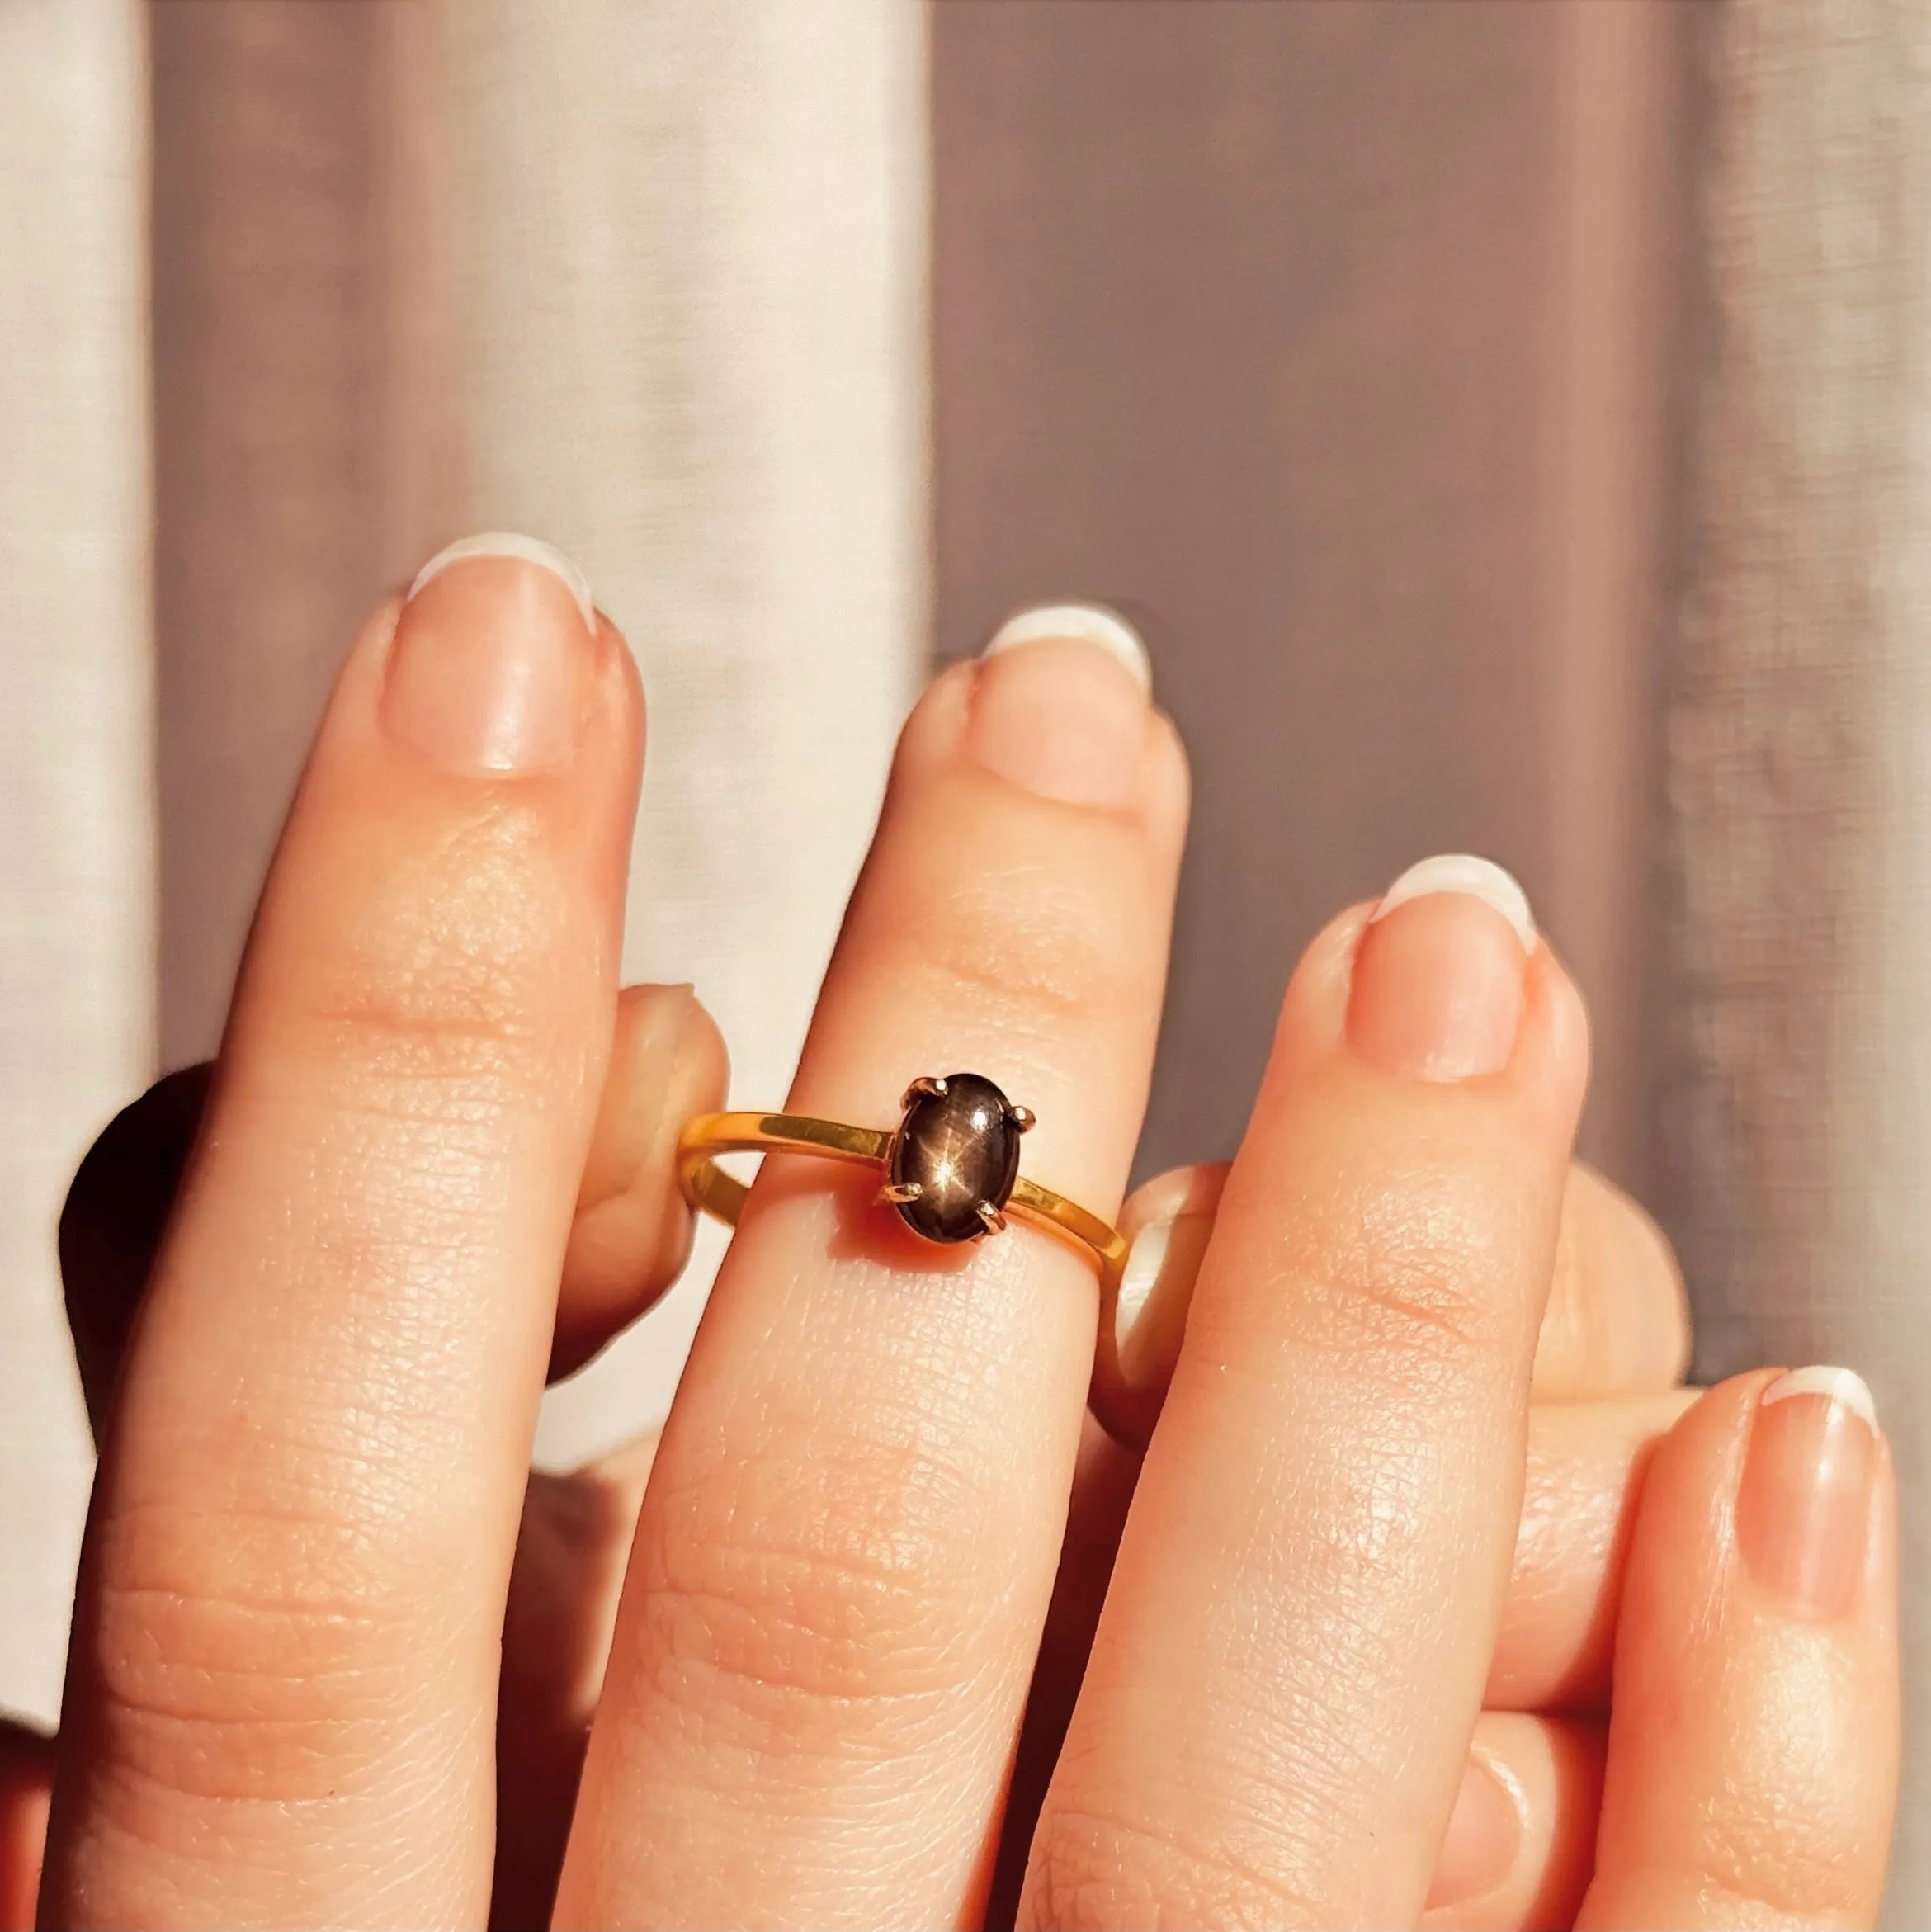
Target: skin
[{"x": 880, "y": 1631}]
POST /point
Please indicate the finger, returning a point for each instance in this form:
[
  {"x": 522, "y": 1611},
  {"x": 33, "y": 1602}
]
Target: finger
[
  {"x": 1522, "y": 1838},
  {"x": 850, "y": 1536},
  {"x": 1585, "y": 1468},
  {"x": 26, "y": 1777},
  {"x": 286, "y": 1655},
  {"x": 628, "y": 1244},
  {"x": 1102, "y": 1491},
  {"x": 1587, "y": 1463},
  {"x": 1752, "y": 1771},
  {"x": 1306, "y": 1598},
  {"x": 110, "y": 1225},
  {"x": 1617, "y": 1321},
  {"x": 563, "y": 1600},
  {"x": 632, "y": 1232}
]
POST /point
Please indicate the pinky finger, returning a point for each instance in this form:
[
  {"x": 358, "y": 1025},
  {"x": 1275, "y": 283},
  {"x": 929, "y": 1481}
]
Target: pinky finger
[
  {"x": 1522, "y": 1840},
  {"x": 1752, "y": 1771}
]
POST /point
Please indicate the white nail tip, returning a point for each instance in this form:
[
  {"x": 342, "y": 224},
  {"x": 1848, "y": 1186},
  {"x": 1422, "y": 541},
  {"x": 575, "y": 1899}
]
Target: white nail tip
[
  {"x": 1461, "y": 872},
  {"x": 1844, "y": 1387},
  {"x": 508, "y": 543},
  {"x": 1093, "y": 623}
]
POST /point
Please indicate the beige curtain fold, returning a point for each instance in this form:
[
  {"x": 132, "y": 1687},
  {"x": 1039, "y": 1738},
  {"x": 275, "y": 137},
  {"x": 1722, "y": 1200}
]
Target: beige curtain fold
[
  {"x": 645, "y": 281},
  {"x": 1336, "y": 341},
  {"x": 1798, "y": 1114},
  {"x": 76, "y": 854}
]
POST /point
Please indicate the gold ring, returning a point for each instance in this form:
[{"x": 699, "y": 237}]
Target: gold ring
[{"x": 951, "y": 1167}]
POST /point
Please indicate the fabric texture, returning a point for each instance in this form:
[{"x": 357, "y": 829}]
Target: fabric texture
[
  {"x": 1798, "y": 1118},
  {"x": 1379, "y": 451},
  {"x": 77, "y": 989},
  {"x": 675, "y": 325}
]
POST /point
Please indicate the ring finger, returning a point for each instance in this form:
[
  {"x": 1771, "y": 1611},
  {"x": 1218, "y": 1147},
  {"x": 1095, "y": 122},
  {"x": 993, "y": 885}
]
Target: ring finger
[
  {"x": 1616, "y": 1322},
  {"x": 845, "y": 1551}
]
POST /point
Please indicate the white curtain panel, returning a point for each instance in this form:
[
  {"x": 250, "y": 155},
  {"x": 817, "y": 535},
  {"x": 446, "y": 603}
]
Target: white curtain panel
[
  {"x": 645, "y": 280},
  {"x": 77, "y": 848},
  {"x": 684, "y": 308}
]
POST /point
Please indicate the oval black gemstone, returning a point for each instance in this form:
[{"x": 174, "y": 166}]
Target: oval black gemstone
[{"x": 958, "y": 1149}]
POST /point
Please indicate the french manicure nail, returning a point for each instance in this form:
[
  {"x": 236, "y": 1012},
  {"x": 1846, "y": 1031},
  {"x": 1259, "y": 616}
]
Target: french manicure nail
[
  {"x": 1803, "y": 1506},
  {"x": 1438, "y": 978},
  {"x": 494, "y": 657},
  {"x": 1483, "y": 1840},
  {"x": 1060, "y": 706}
]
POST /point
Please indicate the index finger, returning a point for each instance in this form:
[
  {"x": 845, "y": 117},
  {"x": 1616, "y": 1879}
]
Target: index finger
[
  {"x": 1275, "y": 1716},
  {"x": 286, "y": 1643}
]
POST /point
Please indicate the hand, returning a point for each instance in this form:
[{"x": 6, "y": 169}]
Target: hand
[{"x": 291, "y": 1619}]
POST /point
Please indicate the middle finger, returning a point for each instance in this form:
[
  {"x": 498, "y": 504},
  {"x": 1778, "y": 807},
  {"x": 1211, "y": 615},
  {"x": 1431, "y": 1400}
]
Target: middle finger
[{"x": 848, "y": 1542}]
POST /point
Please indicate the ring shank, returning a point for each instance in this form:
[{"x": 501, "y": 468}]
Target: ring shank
[{"x": 708, "y": 1187}]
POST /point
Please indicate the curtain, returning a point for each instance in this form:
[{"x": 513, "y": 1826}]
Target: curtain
[
  {"x": 647, "y": 280},
  {"x": 1797, "y": 1109},
  {"x": 1505, "y": 421},
  {"x": 77, "y": 988}
]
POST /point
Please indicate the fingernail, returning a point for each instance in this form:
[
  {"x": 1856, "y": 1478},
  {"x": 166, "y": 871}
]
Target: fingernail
[
  {"x": 653, "y": 1023},
  {"x": 1484, "y": 1838},
  {"x": 1061, "y": 705},
  {"x": 494, "y": 657},
  {"x": 1438, "y": 986},
  {"x": 1156, "y": 1285},
  {"x": 1803, "y": 1507}
]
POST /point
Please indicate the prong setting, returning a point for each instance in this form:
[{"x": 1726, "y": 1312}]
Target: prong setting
[
  {"x": 958, "y": 1146},
  {"x": 1024, "y": 1120},
  {"x": 895, "y": 1193}
]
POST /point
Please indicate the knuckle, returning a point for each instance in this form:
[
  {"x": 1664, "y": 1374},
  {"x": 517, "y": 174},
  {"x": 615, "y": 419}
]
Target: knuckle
[
  {"x": 238, "y": 1660},
  {"x": 1022, "y": 946},
  {"x": 1781, "y": 1866},
  {"x": 1090, "y": 1871},
  {"x": 1419, "y": 1272},
  {"x": 814, "y": 1595},
  {"x": 445, "y": 962},
  {"x": 1819, "y": 1899}
]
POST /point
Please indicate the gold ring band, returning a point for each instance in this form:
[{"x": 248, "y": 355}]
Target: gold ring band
[
  {"x": 708, "y": 1187},
  {"x": 951, "y": 1169}
]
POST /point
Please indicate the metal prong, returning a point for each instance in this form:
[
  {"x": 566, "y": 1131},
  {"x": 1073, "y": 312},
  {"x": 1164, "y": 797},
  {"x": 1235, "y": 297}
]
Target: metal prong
[
  {"x": 995, "y": 1222},
  {"x": 1022, "y": 1117},
  {"x": 893, "y": 1193},
  {"x": 925, "y": 1084}
]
